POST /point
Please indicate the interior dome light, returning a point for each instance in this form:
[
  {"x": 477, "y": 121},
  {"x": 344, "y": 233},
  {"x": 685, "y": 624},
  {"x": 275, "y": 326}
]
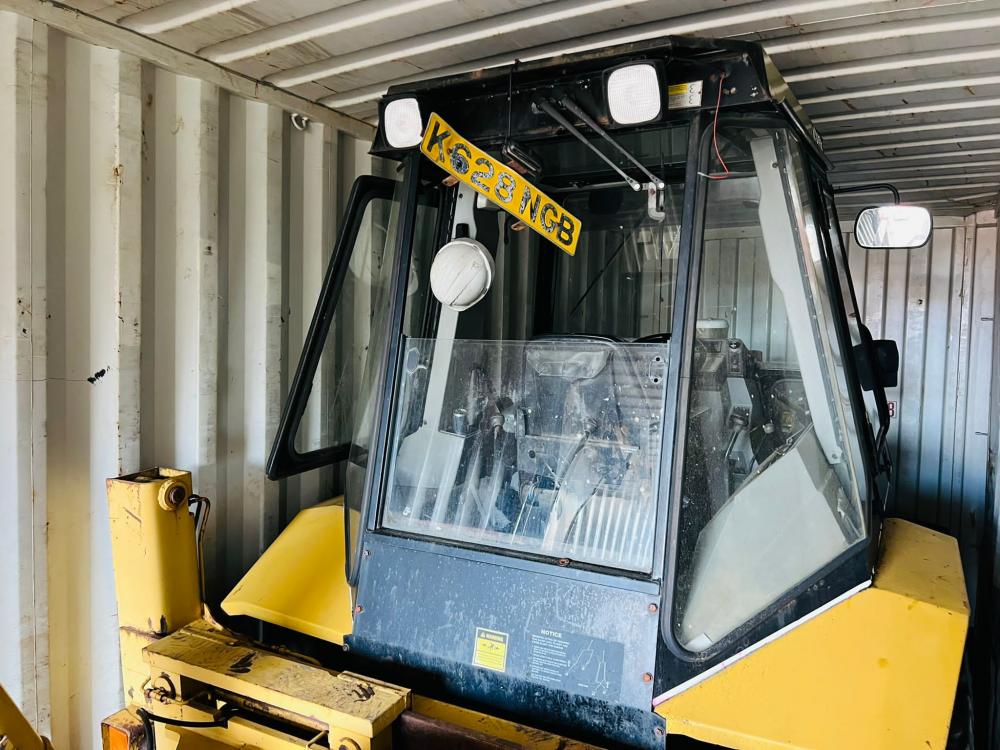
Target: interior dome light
[
  {"x": 402, "y": 122},
  {"x": 634, "y": 94}
]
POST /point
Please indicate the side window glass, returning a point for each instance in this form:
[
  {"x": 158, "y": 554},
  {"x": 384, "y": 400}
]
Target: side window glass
[
  {"x": 317, "y": 424},
  {"x": 819, "y": 286},
  {"x": 769, "y": 488}
]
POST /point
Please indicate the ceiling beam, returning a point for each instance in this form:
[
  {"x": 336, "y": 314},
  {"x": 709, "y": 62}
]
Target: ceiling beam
[
  {"x": 890, "y": 171},
  {"x": 955, "y": 156},
  {"x": 965, "y": 82},
  {"x": 876, "y": 32},
  {"x": 324, "y": 23},
  {"x": 443, "y": 38},
  {"x": 868, "y": 65},
  {"x": 693, "y": 23},
  {"x": 900, "y": 129},
  {"x": 901, "y": 180},
  {"x": 95, "y": 30},
  {"x": 175, "y": 13},
  {"x": 918, "y": 109},
  {"x": 833, "y": 152},
  {"x": 936, "y": 188}
]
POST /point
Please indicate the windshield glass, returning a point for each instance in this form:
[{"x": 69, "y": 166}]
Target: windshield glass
[
  {"x": 550, "y": 446},
  {"x": 532, "y": 421}
]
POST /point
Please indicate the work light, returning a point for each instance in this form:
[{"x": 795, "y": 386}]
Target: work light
[
  {"x": 633, "y": 94},
  {"x": 402, "y": 122}
]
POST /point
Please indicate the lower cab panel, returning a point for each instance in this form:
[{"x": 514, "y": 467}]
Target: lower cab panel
[{"x": 877, "y": 670}]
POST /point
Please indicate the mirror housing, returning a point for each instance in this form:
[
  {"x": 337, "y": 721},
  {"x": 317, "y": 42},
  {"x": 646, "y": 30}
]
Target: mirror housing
[
  {"x": 892, "y": 226},
  {"x": 884, "y": 371}
]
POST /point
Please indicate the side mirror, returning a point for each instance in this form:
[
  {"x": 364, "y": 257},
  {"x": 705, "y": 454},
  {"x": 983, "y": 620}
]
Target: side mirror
[
  {"x": 893, "y": 226},
  {"x": 884, "y": 371}
]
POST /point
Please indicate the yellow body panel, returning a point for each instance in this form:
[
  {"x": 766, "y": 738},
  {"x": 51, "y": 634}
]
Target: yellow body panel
[
  {"x": 155, "y": 560},
  {"x": 878, "y": 670},
  {"x": 15, "y": 728},
  {"x": 299, "y": 582}
]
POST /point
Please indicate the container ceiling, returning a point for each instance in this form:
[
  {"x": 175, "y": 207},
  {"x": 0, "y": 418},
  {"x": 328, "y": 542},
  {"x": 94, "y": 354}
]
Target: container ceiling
[{"x": 907, "y": 90}]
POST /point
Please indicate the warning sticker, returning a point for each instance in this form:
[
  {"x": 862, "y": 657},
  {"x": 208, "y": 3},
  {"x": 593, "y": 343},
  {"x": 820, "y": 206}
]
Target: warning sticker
[
  {"x": 491, "y": 650},
  {"x": 681, "y": 95}
]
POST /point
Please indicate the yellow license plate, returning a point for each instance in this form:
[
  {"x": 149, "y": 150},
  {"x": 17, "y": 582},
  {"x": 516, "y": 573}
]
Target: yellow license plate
[{"x": 502, "y": 185}]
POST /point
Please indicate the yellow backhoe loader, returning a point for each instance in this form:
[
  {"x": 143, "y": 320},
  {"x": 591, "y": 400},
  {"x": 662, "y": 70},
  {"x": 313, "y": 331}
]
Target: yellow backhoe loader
[{"x": 608, "y": 438}]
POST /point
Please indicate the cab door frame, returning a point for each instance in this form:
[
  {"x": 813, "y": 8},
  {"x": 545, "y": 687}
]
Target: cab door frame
[
  {"x": 285, "y": 460},
  {"x": 849, "y": 572}
]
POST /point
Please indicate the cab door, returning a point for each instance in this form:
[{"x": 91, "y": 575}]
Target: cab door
[
  {"x": 771, "y": 498},
  {"x": 317, "y": 421}
]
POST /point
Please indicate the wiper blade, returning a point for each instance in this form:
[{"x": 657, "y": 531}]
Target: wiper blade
[
  {"x": 573, "y": 107},
  {"x": 556, "y": 115}
]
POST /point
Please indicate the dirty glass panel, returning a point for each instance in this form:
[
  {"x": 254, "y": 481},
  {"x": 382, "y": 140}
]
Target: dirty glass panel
[
  {"x": 548, "y": 447},
  {"x": 336, "y": 387},
  {"x": 769, "y": 491}
]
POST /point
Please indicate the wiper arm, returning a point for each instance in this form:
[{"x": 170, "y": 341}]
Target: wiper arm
[
  {"x": 573, "y": 107},
  {"x": 547, "y": 108}
]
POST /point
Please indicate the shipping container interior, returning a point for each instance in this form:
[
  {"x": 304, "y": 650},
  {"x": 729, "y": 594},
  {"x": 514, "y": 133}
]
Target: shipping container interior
[{"x": 172, "y": 180}]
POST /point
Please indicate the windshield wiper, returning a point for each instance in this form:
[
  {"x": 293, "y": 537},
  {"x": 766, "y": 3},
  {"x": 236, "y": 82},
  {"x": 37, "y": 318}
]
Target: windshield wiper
[
  {"x": 573, "y": 107},
  {"x": 546, "y": 106}
]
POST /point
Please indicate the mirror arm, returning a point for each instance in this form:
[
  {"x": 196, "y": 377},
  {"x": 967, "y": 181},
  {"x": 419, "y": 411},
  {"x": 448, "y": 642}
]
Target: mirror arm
[{"x": 870, "y": 188}]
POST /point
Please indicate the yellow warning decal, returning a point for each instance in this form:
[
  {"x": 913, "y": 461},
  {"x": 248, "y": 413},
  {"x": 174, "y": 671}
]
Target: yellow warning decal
[
  {"x": 681, "y": 95},
  {"x": 491, "y": 650},
  {"x": 501, "y": 184}
]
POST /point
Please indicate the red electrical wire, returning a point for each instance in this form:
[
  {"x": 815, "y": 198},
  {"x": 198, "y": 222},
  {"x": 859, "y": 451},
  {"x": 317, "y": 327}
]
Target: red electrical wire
[{"x": 715, "y": 140}]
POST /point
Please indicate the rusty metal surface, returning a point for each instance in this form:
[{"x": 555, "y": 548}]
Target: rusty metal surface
[
  {"x": 309, "y": 695},
  {"x": 129, "y": 724},
  {"x": 414, "y": 731}
]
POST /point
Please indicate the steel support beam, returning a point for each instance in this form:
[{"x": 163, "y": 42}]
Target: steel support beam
[
  {"x": 333, "y": 21},
  {"x": 171, "y": 15}
]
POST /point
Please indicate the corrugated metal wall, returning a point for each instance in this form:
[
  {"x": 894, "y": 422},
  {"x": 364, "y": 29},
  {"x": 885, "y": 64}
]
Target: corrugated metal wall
[
  {"x": 161, "y": 246},
  {"x": 162, "y": 243},
  {"x": 937, "y": 303}
]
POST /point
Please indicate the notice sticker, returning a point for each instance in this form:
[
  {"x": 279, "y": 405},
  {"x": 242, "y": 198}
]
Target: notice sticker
[
  {"x": 682, "y": 95},
  {"x": 491, "y": 650}
]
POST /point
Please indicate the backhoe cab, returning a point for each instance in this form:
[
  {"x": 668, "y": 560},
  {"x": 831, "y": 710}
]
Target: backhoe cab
[{"x": 589, "y": 371}]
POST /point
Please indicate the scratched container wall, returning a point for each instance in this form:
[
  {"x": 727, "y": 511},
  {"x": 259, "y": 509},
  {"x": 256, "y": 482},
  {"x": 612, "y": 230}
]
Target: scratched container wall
[
  {"x": 937, "y": 303},
  {"x": 162, "y": 244}
]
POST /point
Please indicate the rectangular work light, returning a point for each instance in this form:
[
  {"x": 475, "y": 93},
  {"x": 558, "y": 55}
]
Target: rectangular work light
[
  {"x": 634, "y": 94},
  {"x": 402, "y": 123}
]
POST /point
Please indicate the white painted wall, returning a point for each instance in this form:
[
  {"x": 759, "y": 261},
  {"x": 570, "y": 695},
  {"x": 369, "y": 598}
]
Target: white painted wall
[{"x": 165, "y": 239}]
